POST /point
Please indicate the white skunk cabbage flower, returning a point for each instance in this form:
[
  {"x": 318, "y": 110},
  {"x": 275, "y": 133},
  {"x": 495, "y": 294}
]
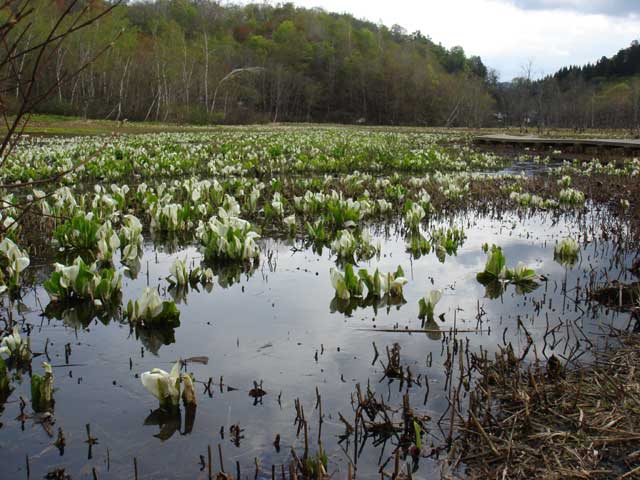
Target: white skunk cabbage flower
[
  {"x": 18, "y": 260},
  {"x": 251, "y": 249},
  {"x": 567, "y": 251},
  {"x": 162, "y": 385},
  {"x": 394, "y": 287},
  {"x": 433, "y": 297},
  {"x": 69, "y": 274},
  {"x": 428, "y": 304},
  {"x": 149, "y": 305},
  {"x": 11, "y": 344},
  {"x": 290, "y": 221},
  {"x": 179, "y": 271},
  {"x": 277, "y": 204},
  {"x": 339, "y": 284},
  {"x": 345, "y": 244}
]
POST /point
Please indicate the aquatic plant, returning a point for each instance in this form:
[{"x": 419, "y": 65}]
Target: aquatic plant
[
  {"x": 87, "y": 234},
  {"x": 413, "y": 216},
  {"x": 131, "y": 239},
  {"x": 520, "y": 274},
  {"x": 317, "y": 232},
  {"x": 42, "y": 390},
  {"x": 253, "y": 197},
  {"x": 341, "y": 213},
  {"x": 108, "y": 242},
  {"x": 151, "y": 311},
  {"x": 315, "y": 466},
  {"x": 169, "y": 217},
  {"x": 348, "y": 246},
  {"x": 82, "y": 281},
  {"x": 383, "y": 206},
  {"x": 427, "y": 304},
  {"x": 346, "y": 284},
  {"x": 13, "y": 261},
  {"x": 496, "y": 275},
  {"x": 529, "y": 200},
  {"x": 78, "y": 233},
  {"x": 166, "y": 387},
  {"x": 379, "y": 284},
  {"x": 494, "y": 269},
  {"x": 228, "y": 238},
  {"x": 181, "y": 277},
  {"x": 566, "y": 251},
  {"x": 565, "y": 181},
  {"x": 344, "y": 245},
  {"x": 277, "y": 204},
  {"x": 571, "y": 197},
  {"x": 447, "y": 240},
  {"x": 15, "y": 348},
  {"x": 290, "y": 224}
]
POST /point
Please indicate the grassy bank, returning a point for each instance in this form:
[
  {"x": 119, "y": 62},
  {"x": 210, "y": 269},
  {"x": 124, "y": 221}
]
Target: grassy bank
[
  {"x": 62, "y": 125},
  {"x": 40, "y": 124}
]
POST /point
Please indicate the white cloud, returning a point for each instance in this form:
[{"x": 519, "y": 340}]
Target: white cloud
[
  {"x": 506, "y": 36},
  {"x": 614, "y": 7}
]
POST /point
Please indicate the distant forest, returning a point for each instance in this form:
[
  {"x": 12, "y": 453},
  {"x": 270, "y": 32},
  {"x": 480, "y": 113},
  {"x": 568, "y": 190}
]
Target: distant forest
[
  {"x": 626, "y": 63},
  {"x": 198, "y": 61},
  {"x": 605, "y": 94},
  {"x": 201, "y": 62}
]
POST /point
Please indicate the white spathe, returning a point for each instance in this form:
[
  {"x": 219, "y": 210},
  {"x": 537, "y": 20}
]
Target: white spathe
[{"x": 162, "y": 385}]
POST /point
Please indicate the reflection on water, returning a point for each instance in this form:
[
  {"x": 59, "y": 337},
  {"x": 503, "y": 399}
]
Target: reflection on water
[
  {"x": 170, "y": 421},
  {"x": 279, "y": 323}
]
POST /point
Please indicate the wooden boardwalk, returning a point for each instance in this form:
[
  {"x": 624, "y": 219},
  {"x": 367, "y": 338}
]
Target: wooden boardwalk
[{"x": 573, "y": 144}]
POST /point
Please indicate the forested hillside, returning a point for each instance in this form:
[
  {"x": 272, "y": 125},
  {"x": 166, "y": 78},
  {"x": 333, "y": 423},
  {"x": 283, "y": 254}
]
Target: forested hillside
[
  {"x": 201, "y": 62},
  {"x": 605, "y": 94},
  {"x": 625, "y": 63}
]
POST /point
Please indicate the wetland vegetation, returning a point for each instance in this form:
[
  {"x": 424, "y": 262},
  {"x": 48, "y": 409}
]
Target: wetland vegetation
[
  {"x": 307, "y": 301},
  {"x": 338, "y": 302}
]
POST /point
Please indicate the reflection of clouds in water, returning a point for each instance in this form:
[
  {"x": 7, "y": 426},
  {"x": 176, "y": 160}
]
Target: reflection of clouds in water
[{"x": 286, "y": 303}]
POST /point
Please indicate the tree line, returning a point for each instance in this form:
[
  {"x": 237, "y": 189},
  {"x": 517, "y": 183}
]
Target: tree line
[
  {"x": 199, "y": 61},
  {"x": 605, "y": 94}
]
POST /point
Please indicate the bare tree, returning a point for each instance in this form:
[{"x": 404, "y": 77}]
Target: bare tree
[
  {"x": 23, "y": 58},
  {"x": 27, "y": 81}
]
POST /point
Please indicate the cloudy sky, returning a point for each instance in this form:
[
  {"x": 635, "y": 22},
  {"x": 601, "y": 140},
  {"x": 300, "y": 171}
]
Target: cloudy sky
[{"x": 507, "y": 34}]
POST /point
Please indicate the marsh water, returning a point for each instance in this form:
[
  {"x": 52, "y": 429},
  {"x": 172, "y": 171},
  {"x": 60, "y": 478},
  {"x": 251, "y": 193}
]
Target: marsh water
[{"x": 279, "y": 324}]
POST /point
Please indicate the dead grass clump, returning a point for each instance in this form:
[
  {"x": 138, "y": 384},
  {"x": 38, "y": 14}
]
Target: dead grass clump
[{"x": 535, "y": 421}]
